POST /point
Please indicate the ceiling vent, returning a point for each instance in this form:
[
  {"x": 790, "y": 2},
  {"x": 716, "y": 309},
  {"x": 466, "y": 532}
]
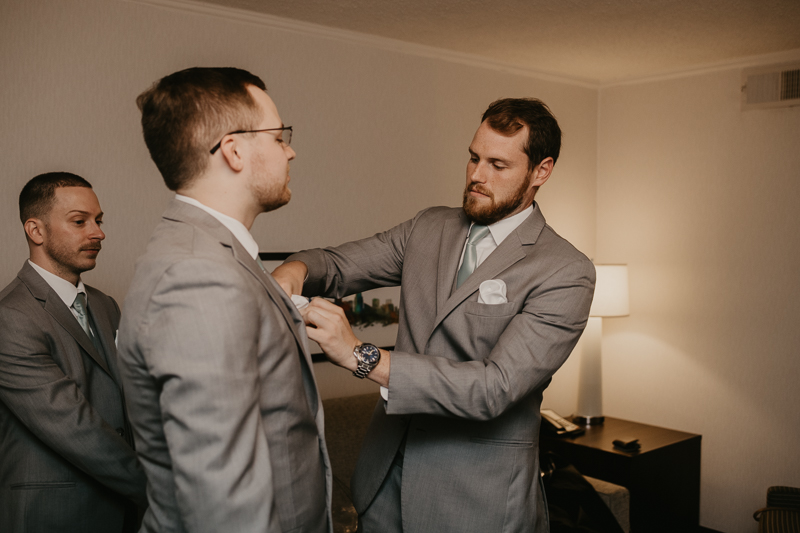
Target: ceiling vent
[{"x": 772, "y": 86}]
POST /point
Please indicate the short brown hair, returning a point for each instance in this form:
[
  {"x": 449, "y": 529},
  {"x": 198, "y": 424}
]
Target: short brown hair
[
  {"x": 509, "y": 115},
  {"x": 38, "y": 195},
  {"x": 185, "y": 113}
]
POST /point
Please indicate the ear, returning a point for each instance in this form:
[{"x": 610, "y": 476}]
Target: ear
[
  {"x": 231, "y": 151},
  {"x": 34, "y": 229},
  {"x": 542, "y": 172}
]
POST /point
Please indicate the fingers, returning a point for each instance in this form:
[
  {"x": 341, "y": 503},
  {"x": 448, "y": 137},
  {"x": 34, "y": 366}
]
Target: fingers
[
  {"x": 324, "y": 314},
  {"x": 328, "y": 321},
  {"x": 328, "y": 327},
  {"x": 322, "y": 303},
  {"x": 319, "y": 336}
]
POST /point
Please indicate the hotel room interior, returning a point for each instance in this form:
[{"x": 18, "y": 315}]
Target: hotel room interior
[{"x": 665, "y": 168}]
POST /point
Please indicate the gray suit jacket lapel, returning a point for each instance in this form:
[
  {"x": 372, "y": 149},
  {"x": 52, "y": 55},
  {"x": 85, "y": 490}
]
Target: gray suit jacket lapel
[
  {"x": 58, "y": 310},
  {"x": 275, "y": 292},
  {"x": 290, "y": 314},
  {"x": 510, "y": 251},
  {"x": 105, "y": 334},
  {"x": 454, "y": 234}
]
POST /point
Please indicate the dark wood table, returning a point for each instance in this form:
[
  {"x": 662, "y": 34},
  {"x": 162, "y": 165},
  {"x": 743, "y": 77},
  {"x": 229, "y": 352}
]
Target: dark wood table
[{"x": 663, "y": 477}]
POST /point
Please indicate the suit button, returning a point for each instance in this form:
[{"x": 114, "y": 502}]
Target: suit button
[{"x": 120, "y": 432}]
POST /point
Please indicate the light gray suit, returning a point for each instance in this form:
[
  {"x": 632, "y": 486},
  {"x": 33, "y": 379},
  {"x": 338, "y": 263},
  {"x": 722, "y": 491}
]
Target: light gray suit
[
  {"x": 466, "y": 378},
  {"x": 66, "y": 456},
  {"x": 226, "y": 414}
]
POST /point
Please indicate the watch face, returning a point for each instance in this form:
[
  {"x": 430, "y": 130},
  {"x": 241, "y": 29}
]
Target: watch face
[{"x": 369, "y": 354}]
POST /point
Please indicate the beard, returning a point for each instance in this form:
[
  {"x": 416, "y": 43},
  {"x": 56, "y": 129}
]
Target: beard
[
  {"x": 272, "y": 200},
  {"x": 68, "y": 261},
  {"x": 495, "y": 211},
  {"x": 273, "y": 195}
]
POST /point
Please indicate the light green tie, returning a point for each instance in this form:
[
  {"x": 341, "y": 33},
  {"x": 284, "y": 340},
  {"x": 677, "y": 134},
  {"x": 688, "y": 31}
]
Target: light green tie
[
  {"x": 261, "y": 265},
  {"x": 476, "y": 234},
  {"x": 80, "y": 307},
  {"x": 83, "y": 318}
]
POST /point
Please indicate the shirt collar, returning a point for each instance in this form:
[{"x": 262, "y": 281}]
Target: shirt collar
[
  {"x": 237, "y": 228},
  {"x": 65, "y": 290},
  {"x": 503, "y": 228}
]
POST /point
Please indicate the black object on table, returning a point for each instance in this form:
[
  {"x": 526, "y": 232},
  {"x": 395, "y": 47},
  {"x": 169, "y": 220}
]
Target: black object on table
[{"x": 663, "y": 476}]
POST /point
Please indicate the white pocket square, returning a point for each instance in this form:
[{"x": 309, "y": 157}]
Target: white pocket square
[{"x": 492, "y": 292}]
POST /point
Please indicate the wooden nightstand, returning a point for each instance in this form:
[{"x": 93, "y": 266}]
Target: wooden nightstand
[{"x": 663, "y": 476}]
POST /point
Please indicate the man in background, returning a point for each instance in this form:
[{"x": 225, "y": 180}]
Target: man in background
[
  {"x": 492, "y": 303},
  {"x": 66, "y": 451},
  {"x": 227, "y": 416}
]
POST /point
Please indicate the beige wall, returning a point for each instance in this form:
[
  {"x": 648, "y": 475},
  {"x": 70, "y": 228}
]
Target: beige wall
[
  {"x": 701, "y": 200},
  {"x": 380, "y": 134}
]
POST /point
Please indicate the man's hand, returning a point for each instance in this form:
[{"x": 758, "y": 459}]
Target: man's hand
[
  {"x": 290, "y": 276},
  {"x": 331, "y": 331},
  {"x": 328, "y": 327}
]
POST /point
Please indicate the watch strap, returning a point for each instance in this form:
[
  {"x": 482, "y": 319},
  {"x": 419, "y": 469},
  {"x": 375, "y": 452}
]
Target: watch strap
[{"x": 362, "y": 371}]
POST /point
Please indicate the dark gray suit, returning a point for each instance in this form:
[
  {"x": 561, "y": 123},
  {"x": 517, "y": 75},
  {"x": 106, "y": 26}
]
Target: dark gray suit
[
  {"x": 227, "y": 417},
  {"x": 466, "y": 377},
  {"x": 66, "y": 456}
]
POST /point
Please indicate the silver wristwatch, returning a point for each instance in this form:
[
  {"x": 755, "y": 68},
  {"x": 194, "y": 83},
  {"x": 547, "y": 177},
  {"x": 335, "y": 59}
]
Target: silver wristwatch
[{"x": 368, "y": 357}]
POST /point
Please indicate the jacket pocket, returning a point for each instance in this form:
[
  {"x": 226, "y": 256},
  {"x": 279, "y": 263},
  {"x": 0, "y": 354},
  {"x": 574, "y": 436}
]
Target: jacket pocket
[
  {"x": 490, "y": 310},
  {"x": 483, "y": 326}
]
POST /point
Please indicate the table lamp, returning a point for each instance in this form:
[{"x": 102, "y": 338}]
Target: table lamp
[{"x": 610, "y": 300}]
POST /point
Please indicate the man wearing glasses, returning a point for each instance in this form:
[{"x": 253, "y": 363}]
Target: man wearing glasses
[{"x": 226, "y": 414}]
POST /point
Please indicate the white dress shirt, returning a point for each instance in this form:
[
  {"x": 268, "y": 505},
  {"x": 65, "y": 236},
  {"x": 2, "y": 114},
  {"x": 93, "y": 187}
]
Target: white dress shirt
[
  {"x": 63, "y": 288},
  {"x": 499, "y": 231}
]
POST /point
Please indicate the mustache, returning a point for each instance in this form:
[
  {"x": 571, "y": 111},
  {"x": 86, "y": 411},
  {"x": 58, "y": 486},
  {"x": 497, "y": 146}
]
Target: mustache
[{"x": 477, "y": 187}]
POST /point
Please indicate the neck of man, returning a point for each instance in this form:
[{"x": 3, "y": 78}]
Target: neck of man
[
  {"x": 221, "y": 194},
  {"x": 39, "y": 258}
]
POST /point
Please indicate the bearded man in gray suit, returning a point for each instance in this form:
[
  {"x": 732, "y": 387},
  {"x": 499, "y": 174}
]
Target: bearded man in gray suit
[
  {"x": 492, "y": 303},
  {"x": 66, "y": 451},
  {"x": 226, "y": 413}
]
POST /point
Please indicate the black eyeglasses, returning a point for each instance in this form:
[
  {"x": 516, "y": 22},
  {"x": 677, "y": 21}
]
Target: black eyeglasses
[{"x": 286, "y": 138}]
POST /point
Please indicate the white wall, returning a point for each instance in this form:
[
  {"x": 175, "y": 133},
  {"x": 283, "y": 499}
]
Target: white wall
[
  {"x": 701, "y": 200},
  {"x": 379, "y": 134}
]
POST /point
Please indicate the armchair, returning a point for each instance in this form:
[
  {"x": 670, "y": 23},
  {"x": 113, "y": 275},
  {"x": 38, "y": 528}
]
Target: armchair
[{"x": 782, "y": 513}]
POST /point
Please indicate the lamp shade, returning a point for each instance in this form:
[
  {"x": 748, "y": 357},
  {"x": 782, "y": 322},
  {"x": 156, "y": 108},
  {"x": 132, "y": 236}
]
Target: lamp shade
[{"x": 610, "y": 291}]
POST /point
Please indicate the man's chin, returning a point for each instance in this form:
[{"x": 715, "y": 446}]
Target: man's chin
[
  {"x": 85, "y": 266},
  {"x": 475, "y": 212},
  {"x": 278, "y": 202}
]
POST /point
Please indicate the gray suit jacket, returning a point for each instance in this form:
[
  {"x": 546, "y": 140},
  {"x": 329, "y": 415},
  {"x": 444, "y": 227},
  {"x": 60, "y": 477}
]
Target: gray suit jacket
[
  {"x": 66, "y": 456},
  {"x": 466, "y": 378},
  {"x": 227, "y": 417}
]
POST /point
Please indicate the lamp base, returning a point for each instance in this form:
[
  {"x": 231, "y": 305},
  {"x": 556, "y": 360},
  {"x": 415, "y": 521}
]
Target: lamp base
[{"x": 589, "y": 420}]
